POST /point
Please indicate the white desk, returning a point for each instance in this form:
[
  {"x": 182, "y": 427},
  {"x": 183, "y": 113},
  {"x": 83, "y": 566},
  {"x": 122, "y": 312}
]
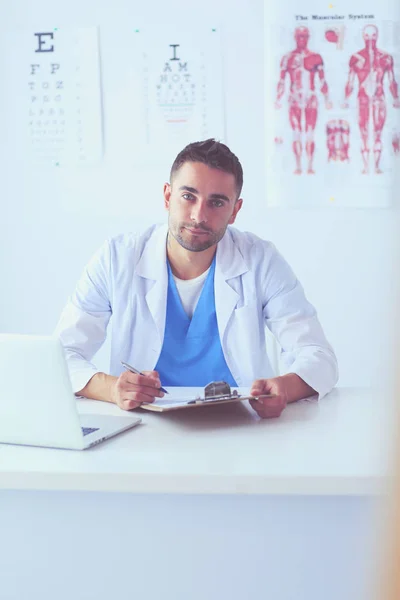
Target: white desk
[{"x": 281, "y": 509}]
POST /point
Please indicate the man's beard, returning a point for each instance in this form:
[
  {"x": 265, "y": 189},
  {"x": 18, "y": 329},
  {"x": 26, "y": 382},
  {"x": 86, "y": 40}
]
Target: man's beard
[{"x": 195, "y": 244}]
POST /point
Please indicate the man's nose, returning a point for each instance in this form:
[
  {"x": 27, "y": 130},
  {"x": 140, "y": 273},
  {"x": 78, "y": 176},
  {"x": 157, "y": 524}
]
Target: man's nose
[{"x": 199, "y": 212}]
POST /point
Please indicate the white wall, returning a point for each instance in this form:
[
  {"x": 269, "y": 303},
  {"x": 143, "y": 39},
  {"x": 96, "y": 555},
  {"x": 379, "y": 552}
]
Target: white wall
[{"x": 51, "y": 221}]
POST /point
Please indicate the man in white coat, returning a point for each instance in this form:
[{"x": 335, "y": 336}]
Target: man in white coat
[{"x": 190, "y": 301}]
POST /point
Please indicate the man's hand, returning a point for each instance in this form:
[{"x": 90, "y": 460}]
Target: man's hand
[
  {"x": 286, "y": 388},
  {"x": 268, "y": 408},
  {"x": 130, "y": 390}
]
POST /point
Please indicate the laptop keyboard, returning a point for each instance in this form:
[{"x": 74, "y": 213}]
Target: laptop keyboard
[{"x": 87, "y": 430}]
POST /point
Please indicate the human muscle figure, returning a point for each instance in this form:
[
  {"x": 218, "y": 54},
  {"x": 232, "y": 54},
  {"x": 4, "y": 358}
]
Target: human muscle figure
[
  {"x": 303, "y": 66},
  {"x": 338, "y": 139},
  {"x": 370, "y": 65}
]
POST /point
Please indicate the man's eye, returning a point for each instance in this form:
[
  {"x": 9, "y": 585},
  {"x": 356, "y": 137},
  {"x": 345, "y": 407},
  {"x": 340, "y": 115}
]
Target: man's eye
[
  {"x": 187, "y": 196},
  {"x": 218, "y": 203}
]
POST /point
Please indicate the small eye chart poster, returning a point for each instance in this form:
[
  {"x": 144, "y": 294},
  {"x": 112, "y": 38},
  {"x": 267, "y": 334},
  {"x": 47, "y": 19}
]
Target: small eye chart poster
[
  {"x": 179, "y": 88},
  {"x": 54, "y": 81}
]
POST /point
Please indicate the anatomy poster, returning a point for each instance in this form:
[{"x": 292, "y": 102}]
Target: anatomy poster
[
  {"x": 178, "y": 89},
  {"x": 53, "y": 82},
  {"x": 333, "y": 105}
]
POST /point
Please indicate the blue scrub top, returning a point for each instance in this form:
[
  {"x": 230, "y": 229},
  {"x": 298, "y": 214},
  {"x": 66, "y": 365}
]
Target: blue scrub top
[{"x": 191, "y": 354}]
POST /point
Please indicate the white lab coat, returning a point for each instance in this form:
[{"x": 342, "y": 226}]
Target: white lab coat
[{"x": 126, "y": 281}]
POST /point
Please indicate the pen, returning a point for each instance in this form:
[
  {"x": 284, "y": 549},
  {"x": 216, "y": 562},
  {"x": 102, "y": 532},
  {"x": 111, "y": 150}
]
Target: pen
[{"x": 133, "y": 370}]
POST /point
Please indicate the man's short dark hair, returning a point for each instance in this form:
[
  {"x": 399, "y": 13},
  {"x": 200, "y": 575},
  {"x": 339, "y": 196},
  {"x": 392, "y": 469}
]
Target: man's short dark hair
[{"x": 213, "y": 154}]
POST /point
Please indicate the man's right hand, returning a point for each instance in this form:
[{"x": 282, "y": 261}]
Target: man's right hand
[{"x": 130, "y": 390}]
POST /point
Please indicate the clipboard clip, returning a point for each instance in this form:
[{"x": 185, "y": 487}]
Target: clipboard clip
[
  {"x": 214, "y": 391},
  {"x": 220, "y": 390}
]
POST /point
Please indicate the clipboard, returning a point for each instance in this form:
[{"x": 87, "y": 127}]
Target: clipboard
[{"x": 214, "y": 394}]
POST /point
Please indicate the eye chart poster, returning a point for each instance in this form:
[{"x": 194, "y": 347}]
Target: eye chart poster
[
  {"x": 332, "y": 93},
  {"x": 179, "y": 89},
  {"x": 54, "y": 84}
]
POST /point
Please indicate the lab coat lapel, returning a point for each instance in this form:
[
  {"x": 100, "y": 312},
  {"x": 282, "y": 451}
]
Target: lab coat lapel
[
  {"x": 153, "y": 266},
  {"x": 229, "y": 264}
]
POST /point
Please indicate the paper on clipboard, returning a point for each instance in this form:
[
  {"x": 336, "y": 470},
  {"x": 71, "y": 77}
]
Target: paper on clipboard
[{"x": 178, "y": 397}]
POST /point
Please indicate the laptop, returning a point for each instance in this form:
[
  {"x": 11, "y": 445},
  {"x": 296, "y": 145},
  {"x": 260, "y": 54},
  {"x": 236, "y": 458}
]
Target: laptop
[{"x": 37, "y": 403}]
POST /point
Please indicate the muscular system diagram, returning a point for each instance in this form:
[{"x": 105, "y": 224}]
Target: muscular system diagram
[
  {"x": 370, "y": 66},
  {"x": 306, "y": 70}
]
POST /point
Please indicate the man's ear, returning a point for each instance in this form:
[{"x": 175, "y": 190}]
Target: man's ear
[
  {"x": 236, "y": 208},
  {"x": 167, "y": 195}
]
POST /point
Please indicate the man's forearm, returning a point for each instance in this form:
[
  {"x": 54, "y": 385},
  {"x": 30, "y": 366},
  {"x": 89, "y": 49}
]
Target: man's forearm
[
  {"x": 296, "y": 387},
  {"x": 99, "y": 387}
]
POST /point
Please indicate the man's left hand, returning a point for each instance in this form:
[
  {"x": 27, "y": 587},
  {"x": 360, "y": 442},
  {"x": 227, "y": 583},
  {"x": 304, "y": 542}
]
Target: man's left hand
[
  {"x": 286, "y": 388},
  {"x": 268, "y": 408}
]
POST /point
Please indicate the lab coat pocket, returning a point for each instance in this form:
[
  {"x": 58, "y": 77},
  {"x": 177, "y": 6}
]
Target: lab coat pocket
[{"x": 246, "y": 321}]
